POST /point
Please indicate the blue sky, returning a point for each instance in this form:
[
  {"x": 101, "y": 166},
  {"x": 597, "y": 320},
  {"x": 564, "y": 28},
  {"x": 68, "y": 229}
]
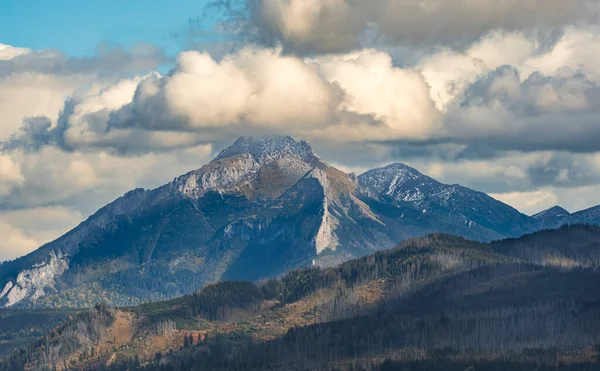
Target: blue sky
[{"x": 77, "y": 27}]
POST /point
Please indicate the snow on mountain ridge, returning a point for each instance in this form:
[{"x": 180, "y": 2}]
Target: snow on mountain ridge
[
  {"x": 401, "y": 186},
  {"x": 399, "y": 182},
  {"x": 402, "y": 183},
  {"x": 265, "y": 149},
  {"x": 240, "y": 166}
]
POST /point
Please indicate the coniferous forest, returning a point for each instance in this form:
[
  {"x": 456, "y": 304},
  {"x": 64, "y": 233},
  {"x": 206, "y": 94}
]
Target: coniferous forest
[{"x": 434, "y": 303}]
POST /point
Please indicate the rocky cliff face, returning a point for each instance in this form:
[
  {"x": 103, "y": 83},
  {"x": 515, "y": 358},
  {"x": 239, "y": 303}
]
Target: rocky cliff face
[
  {"x": 261, "y": 207},
  {"x": 32, "y": 283},
  {"x": 325, "y": 238}
]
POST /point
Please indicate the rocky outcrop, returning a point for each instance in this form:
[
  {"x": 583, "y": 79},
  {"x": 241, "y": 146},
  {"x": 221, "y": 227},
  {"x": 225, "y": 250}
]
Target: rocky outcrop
[
  {"x": 221, "y": 176},
  {"x": 326, "y": 238},
  {"x": 32, "y": 283}
]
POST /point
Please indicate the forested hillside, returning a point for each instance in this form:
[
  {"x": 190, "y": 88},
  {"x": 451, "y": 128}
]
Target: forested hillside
[
  {"x": 433, "y": 303},
  {"x": 18, "y": 328}
]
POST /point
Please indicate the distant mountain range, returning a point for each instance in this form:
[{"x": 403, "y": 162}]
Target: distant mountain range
[{"x": 262, "y": 207}]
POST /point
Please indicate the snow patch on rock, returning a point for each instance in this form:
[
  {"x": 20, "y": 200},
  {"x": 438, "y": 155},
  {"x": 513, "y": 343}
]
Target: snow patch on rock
[{"x": 267, "y": 149}]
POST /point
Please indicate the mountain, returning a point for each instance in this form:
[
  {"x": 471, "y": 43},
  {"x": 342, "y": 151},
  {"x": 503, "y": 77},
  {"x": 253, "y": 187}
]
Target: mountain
[
  {"x": 151, "y": 244},
  {"x": 588, "y": 216},
  {"x": 422, "y": 203},
  {"x": 553, "y": 217},
  {"x": 262, "y": 207},
  {"x": 557, "y": 216},
  {"x": 437, "y": 302}
]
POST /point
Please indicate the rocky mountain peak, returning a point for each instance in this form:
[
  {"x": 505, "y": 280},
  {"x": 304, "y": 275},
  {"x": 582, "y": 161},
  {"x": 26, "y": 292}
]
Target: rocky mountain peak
[
  {"x": 396, "y": 181},
  {"x": 266, "y": 148},
  {"x": 397, "y": 171},
  {"x": 253, "y": 166}
]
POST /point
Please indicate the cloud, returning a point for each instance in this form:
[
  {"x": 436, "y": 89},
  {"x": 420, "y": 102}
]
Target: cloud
[
  {"x": 10, "y": 175},
  {"x": 108, "y": 60},
  {"x": 14, "y": 242},
  {"x": 449, "y": 72},
  {"x": 25, "y": 230},
  {"x": 358, "y": 95},
  {"x": 482, "y": 94},
  {"x": 36, "y": 83},
  {"x": 537, "y": 114},
  {"x": 373, "y": 86},
  {"x": 577, "y": 49},
  {"x": 450, "y": 97},
  {"x": 83, "y": 124},
  {"x": 52, "y": 176},
  {"x": 33, "y": 95},
  {"x": 257, "y": 88},
  {"x": 340, "y": 25},
  {"x": 572, "y": 199},
  {"x": 529, "y": 202},
  {"x": 563, "y": 170},
  {"x": 355, "y": 96},
  {"x": 8, "y": 52}
]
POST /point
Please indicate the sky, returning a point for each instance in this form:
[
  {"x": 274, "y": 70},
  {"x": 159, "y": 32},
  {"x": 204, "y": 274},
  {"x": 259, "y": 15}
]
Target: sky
[
  {"x": 100, "y": 97},
  {"x": 78, "y": 27}
]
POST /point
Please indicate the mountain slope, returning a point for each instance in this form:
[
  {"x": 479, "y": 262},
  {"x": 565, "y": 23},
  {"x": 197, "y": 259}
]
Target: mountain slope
[
  {"x": 401, "y": 192},
  {"x": 262, "y": 207},
  {"x": 588, "y": 216},
  {"x": 163, "y": 240},
  {"x": 570, "y": 247},
  {"x": 552, "y": 218},
  {"x": 439, "y": 299}
]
